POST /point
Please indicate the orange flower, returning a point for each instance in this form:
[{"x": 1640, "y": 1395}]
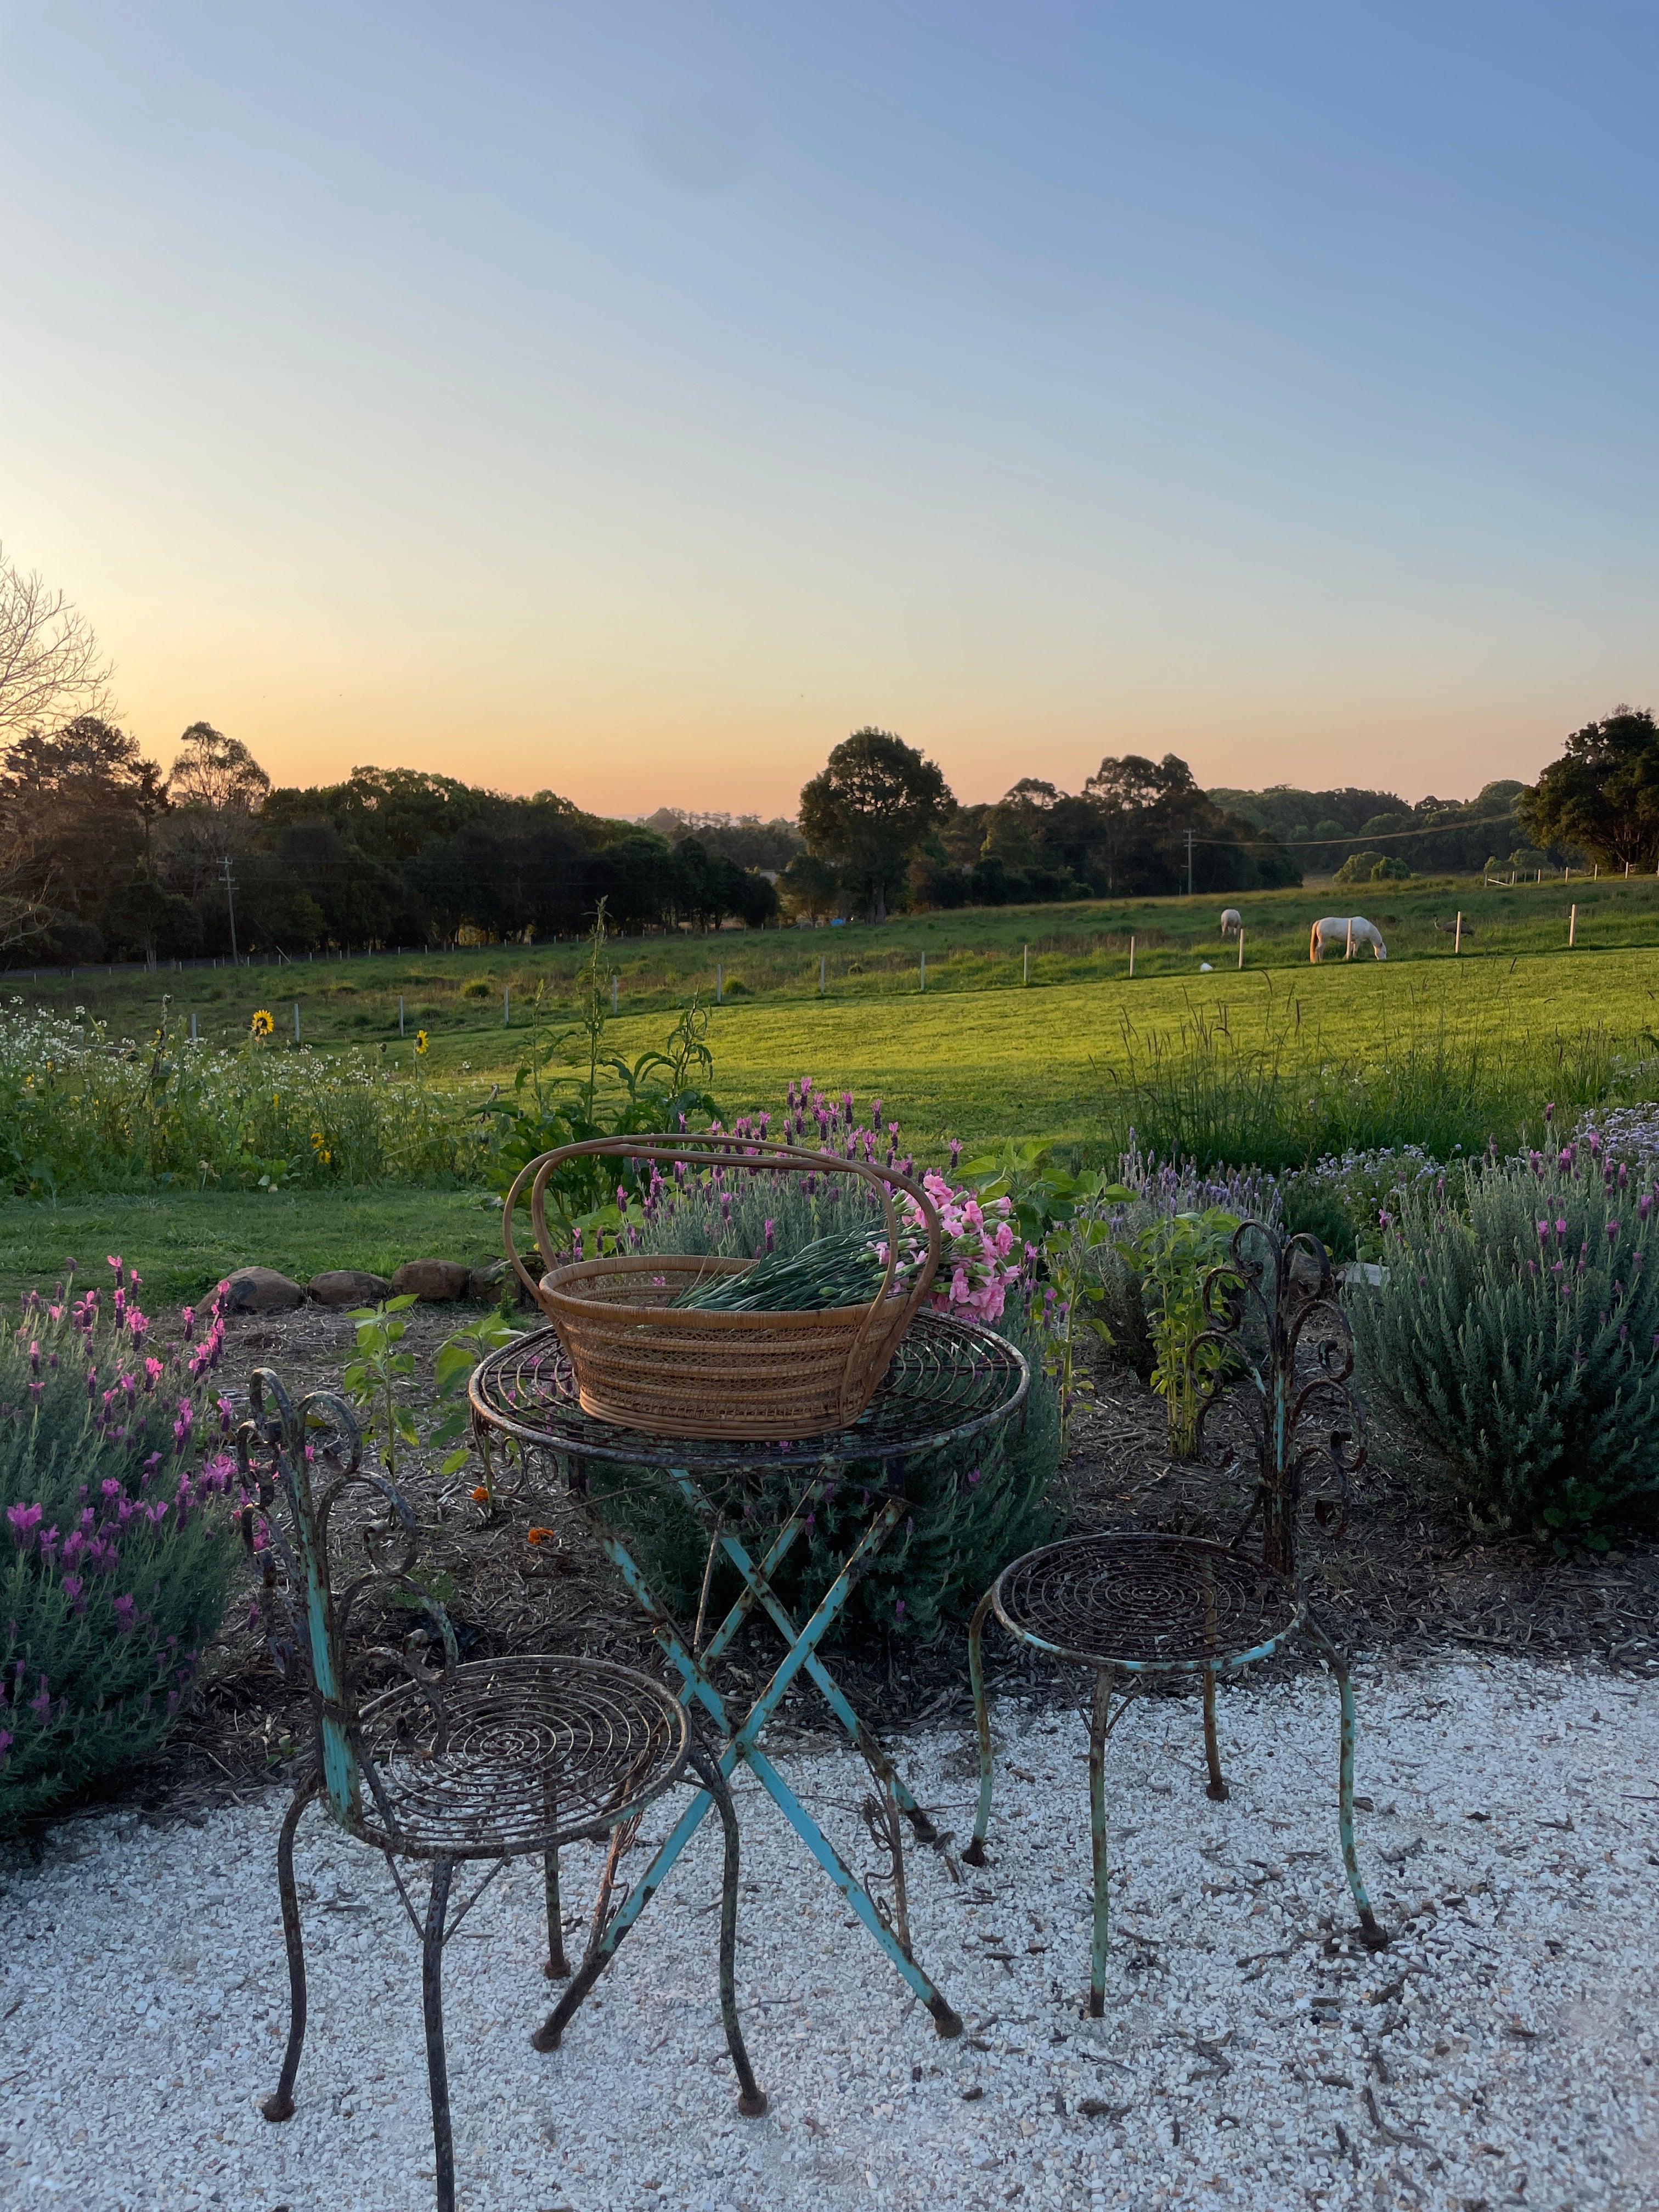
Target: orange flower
[
  {"x": 481, "y": 1496},
  {"x": 539, "y": 1536}
]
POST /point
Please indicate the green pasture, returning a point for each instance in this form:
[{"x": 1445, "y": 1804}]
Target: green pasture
[
  {"x": 1443, "y": 1054},
  {"x": 457, "y": 997}
]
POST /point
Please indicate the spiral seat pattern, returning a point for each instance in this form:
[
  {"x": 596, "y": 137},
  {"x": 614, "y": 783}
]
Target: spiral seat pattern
[
  {"x": 530, "y": 1752},
  {"x": 1145, "y": 1601}
]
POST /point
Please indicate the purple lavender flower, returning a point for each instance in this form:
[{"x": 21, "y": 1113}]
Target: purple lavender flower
[
  {"x": 126, "y": 1611},
  {"x": 24, "y": 1521}
]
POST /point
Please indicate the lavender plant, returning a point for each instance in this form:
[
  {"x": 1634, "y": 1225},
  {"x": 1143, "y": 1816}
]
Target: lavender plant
[
  {"x": 115, "y": 1555},
  {"x": 1519, "y": 1326}
]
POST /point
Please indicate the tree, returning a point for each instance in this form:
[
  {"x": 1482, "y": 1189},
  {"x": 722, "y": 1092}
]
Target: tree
[
  {"x": 217, "y": 772},
  {"x": 811, "y": 886},
  {"x": 1602, "y": 795},
  {"x": 869, "y": 810},
  {"x": 51, "y": 668},
  {"x": 78, "y": 801}
]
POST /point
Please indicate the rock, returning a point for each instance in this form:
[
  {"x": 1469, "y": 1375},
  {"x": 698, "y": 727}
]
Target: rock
[
  {"x": 431, "y": 1280},
  {"x": 261, "y": 1290},
  {"x": 347, "y": 1286}
]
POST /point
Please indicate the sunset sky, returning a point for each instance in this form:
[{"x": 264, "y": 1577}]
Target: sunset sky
[{"x": 633, "y": 399}]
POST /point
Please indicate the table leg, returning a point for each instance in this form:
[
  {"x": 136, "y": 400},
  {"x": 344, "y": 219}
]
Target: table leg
[
  {"x": 743, "y": 1742},
  {"x": 830, "y": 1690}
]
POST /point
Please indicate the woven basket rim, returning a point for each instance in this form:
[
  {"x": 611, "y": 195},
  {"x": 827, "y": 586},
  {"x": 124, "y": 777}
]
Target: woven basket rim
[{"x": 780, "y": 1321}]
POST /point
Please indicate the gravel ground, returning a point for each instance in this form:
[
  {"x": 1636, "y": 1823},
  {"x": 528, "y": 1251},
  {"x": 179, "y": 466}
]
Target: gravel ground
[{"x": 1502, "y": 2052}]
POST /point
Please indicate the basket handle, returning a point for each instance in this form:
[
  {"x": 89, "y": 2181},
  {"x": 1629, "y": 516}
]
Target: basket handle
[{"x": 709, "y": 1149}]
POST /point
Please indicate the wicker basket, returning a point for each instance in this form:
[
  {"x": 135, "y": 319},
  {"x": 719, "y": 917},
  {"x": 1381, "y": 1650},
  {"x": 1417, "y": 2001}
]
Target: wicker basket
[{"x": 674, "y": 1371}]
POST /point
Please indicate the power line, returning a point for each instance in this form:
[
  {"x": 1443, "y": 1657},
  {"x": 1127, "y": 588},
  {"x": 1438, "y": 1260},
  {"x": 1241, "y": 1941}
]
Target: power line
[{"x": 1358, "y": 837}]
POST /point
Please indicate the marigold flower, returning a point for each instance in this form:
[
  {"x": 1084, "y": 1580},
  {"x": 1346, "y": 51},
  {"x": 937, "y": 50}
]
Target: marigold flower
[
  {"x": 539, "y": 1535},
  {"x": 480, "y": 1495}
]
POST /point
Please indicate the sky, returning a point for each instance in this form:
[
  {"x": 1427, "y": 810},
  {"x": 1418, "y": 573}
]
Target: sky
[{"x": 632, "y": 400}]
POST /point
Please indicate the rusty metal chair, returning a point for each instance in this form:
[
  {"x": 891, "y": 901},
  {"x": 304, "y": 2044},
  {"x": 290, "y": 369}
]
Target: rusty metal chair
[
  {"x": 490, "y": 1760},
  {"x": 1140, "y": 1604}
]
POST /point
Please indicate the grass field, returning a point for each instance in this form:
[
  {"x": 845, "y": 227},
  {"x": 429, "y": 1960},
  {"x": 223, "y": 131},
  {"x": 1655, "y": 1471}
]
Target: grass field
[
  {"x": 1424, "y": 1049},
  {"x": 457, "y": 997}
]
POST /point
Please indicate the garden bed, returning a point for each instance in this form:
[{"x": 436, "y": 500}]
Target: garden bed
[{"x": 1405, "y": 1579}]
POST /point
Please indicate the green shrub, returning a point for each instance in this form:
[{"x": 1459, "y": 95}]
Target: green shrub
[
  {"x": 1520, "y": 1327},
  {"x": 1233, "y": 1087},
  {"x": 82, "y": 1110},
  {"x": 974, "y": 1509},
  {"x": 116, "y": 1552}
]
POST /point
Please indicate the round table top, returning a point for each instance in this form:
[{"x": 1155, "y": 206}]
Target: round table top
[{"x": 948, "y": 1380}]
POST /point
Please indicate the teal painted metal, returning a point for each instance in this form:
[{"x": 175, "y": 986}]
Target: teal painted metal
[
  {"x": 742, "y": 1737},
  {"x": 1375, "y": 1937}
]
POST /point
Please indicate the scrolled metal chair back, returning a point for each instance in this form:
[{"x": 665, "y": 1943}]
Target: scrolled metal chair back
[
  {"x": 1281, "y": 1354},
  {"x": 308, "y": 1608}
]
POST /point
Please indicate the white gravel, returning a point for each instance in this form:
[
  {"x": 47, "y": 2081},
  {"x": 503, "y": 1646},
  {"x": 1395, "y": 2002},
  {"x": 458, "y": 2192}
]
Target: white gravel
[{"x": 1501, "y": 2052}]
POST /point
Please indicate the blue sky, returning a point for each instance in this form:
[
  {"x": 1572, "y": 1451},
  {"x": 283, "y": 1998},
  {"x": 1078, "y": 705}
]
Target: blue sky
[{"x": 632, "y": 400}]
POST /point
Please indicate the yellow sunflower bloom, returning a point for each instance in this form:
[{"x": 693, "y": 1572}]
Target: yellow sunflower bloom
[
  {"x": 262, "y": 1025},
  {"x": 422, "y": 1041}
]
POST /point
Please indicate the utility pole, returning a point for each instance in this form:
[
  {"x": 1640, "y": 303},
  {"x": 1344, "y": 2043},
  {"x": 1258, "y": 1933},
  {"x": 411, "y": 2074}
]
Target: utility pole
[
  {"x": 230, "y": 901},
  {"x": 1189, "y": 864}
]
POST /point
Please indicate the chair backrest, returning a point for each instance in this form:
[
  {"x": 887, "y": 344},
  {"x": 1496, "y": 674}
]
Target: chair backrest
[
  {"x": 288, "y": 1527},
  {"x": 1273, "y": 1380}
]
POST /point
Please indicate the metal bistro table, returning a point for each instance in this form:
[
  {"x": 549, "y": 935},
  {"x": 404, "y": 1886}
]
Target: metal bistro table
[{"x": 949, "y": 1380}]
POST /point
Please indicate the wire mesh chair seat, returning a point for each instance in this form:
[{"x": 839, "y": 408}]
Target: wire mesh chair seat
[
  {"x": 527, "y": 1755},
  {"x": 1139, "y": 1604},
  {"x": 1145, "y": 1603},
  {"x": 490, "y": 1760}
]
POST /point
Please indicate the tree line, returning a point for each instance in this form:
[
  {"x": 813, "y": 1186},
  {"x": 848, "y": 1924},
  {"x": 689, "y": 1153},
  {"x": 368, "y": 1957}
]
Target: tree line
[{"x": 105, "y": 856}]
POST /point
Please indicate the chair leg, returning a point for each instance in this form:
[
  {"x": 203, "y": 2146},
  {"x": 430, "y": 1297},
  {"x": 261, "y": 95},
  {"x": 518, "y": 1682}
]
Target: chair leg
[
  {"x": 1098, "y": 1721},
  {"x": 975, "y": 1854},
  {"x": 752, "y": 2100},
  {"x": 280, "y": 2107},
  {"x": 432, "y": 2001},
  {"x": 558, "y": 1968},
  {"x": 1372, "y": 1933},
  {"x": 1217, "y": 1787}
]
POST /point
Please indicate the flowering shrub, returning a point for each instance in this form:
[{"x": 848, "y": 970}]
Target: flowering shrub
[
  {"x": 1519, "y": 1325},
  {"x": 746, "y": 1214},
  {"x": 83, "y": 1109},
  {"x": 114, "y": 1556}
]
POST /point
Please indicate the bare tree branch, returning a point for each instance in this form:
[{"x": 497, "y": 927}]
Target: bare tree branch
[{"x": 51, "y": 665}]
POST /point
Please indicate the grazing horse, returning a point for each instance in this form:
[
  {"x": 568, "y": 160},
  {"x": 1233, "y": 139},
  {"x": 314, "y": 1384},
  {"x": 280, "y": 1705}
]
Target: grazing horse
[
  {"x": 1352, "y": 930},
  {"x": 1231, "y": 921}
]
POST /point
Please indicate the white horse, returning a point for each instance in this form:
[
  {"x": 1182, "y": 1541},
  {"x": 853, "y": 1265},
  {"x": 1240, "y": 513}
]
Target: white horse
[
  {"x": 1231, "y": 922},
  {"x": 1352, "y": 930}
]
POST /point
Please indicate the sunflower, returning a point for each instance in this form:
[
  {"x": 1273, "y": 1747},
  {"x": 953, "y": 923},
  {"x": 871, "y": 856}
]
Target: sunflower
[
  {"x": 262, "y": 1025},
  {"x": 422, "y": 1041}
]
